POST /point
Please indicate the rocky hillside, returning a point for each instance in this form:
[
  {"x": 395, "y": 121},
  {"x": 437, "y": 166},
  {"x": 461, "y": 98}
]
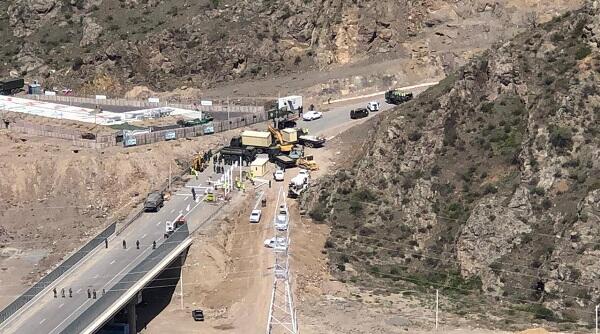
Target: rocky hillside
[
  {"x": 485, "y": 185},
  {"x": 168, "y": 44}
]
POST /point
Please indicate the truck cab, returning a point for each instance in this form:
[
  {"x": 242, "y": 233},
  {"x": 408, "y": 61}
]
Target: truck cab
[{"x": 154, "y": 201}]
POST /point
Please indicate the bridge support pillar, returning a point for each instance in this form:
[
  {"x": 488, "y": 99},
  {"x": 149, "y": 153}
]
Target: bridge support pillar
[{"x": 131, "y": 316}]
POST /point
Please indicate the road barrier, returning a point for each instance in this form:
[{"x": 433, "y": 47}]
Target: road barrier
[
  {"x": 49, "y": 279},
  {"x": 134, "y": 276}
]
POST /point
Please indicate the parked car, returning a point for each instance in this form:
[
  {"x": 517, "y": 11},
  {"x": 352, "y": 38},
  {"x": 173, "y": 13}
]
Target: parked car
[
  {"x": 277, "y": 243},
  {"x": 373, "y": 106},
  {"x": 198, "y": 315},
  {"x": 279, "y": 175},
  {"x": 255, "y": 216},
  {"x": 359, "y": 113},
  {"x": 312, "y": 115},
  {"x": 283, "y": 218}
]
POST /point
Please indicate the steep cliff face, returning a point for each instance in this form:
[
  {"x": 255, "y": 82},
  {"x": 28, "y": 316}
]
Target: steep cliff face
[
  {"x": 487, "y": 183},
  {"x": 167, "y": 44}
]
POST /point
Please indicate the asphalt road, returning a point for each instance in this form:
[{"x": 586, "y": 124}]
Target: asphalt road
[
  {"x": 340, "y": 114},
  {"x": 106, "y": 266}
]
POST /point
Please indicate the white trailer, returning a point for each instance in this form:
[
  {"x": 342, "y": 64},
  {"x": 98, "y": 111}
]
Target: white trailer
[{"x": 289, "y": 103}]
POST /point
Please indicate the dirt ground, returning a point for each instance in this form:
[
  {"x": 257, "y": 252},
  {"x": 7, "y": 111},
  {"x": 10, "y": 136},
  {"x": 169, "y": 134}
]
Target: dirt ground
[
  {"x": 55, "y": 196},
  {"x": 228, "y": 274}
]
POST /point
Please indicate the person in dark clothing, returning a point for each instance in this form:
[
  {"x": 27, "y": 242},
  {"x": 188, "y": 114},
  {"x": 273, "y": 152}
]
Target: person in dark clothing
[
  {"x": 124, "y": 244},
  {"x": 55, "y": 294},
  {"x": 154, "y": 244},
  {"x": 105, "y": 243},
  {"x": 312, "y": 107},
  {"x": 137, "y": 244},
  {"x": 194, "y": 194},
  {"x": 62, "y": 292},
  {"x": 89, "y": 294},
  {"x": 70, "y": 293}
]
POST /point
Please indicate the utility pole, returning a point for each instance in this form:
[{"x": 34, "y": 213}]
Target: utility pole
[
  {"x": 436, "y": 307},
  {"x": 181, "y": 281},
  {"x": 597, "y": 318},
  {"x": 228, "y": 121},
  {"x": 169, "y": 175}
]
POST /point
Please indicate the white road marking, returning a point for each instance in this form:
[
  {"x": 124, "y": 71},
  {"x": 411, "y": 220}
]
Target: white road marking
[
  {"x": 172, "y": 210},
  {"x": 43, "y": 320},
  {"x": 78, "y": 291},
  {"x": 157, "y": 223},
  {"x": 113, "y": 261},
  {"x": 96, "y": 276},
  {"x": 61, "y": 305},
  {"x": 187, "y": 208},
  {"x": 330, "y": 138},
  {"x": 143, "y": 236}
]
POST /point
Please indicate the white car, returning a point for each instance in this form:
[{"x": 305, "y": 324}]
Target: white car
[
  {"x": 255, "y": 216},
  {"x": 312, "y": 115},
  {"x": 283, "y": 218},
  {"x": 373, "y": 106},
  {"x": 277, "y": 243},
  {"x": 279, "y": 175}
]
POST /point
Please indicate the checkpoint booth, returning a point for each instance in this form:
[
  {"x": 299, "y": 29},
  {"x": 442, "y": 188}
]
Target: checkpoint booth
[{"x": 258, "y": 167}]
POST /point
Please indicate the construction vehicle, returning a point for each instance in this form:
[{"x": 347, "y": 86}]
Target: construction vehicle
[
  {"x": 307, "y": 163},
  {"x": 298, "y": 184},
  {"x": 283, "y": 161},
  {"x": 199, "y": 162},
  {"x": 311, "y": 141},
  {"x": 259, "y": 140},
  {"x": 396, "y": 96},
  {"x": 232, "y": 154},
  {"x": 284, "y": 146},
  {"x": 11, "y": 86}
]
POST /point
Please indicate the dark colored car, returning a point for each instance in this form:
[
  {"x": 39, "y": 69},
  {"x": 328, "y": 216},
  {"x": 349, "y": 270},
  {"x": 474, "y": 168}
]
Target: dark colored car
[
  {"x": 198, "y": 315},
  {"x": 359, "y": 113}
]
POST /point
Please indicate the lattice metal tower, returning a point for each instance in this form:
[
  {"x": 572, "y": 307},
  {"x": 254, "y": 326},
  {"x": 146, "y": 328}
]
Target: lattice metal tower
[{"x": 282, "y": 315}]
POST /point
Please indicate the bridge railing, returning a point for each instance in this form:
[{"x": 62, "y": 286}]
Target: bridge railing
[
  {"x": 49, "y": 279},
  {"x": 127, "y": 282}
]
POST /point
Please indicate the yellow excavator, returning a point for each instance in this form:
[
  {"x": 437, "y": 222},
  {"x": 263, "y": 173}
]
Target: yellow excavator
[
  {"x": 283, "y": 145},
  {"x": 199, "y": 164}
]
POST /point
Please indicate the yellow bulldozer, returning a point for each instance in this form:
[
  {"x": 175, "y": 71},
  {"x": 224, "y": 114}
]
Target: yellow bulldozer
[{"x": 307, "y": 162}]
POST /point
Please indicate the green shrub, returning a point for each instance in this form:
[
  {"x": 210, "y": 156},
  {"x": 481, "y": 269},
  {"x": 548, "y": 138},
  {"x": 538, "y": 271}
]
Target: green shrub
[
  {"x": 582, "y": 52},
  {"x": 561, "y": 137}
]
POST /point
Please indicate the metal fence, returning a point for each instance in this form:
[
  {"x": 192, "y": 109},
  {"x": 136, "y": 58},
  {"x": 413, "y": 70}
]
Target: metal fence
[
  {"x": 56, "y": 273},
  {"x": 195, "y": 131},
  {"x": 54, "y": 131},
  {"x": 131, "y": 278},
  {"x": 75, "y": 100}
]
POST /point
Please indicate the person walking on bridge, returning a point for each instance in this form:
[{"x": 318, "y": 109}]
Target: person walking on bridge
[
  {"x": 124, "y": 244},
  {"x": 137, "y": 244},
  {"x": 194, "y": 194}
]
